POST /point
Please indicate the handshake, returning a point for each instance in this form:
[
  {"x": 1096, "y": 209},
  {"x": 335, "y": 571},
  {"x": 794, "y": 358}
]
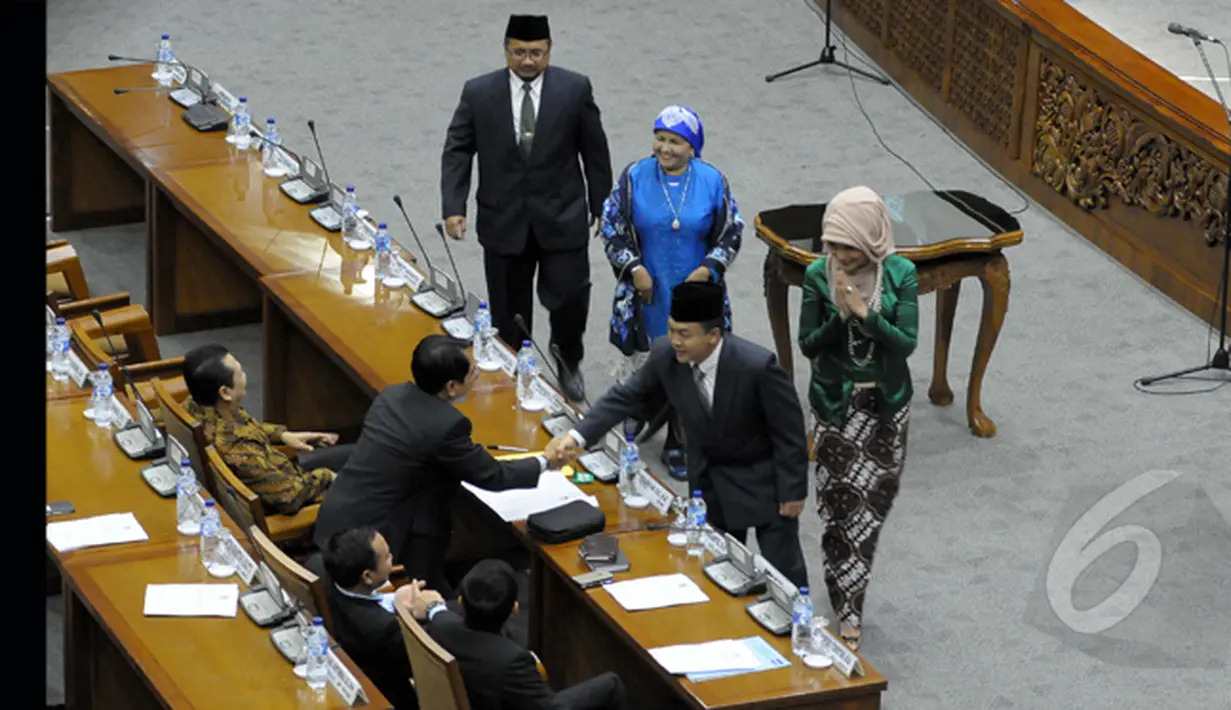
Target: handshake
[{"x": 561, "y": 450}]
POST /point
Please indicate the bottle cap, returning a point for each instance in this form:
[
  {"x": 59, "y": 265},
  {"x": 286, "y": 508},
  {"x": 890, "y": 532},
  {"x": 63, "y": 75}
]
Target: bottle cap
[
  {"x": 382, "y": 225},
  {"x": 630, "y": 437},
  {"x": 166, "y": 36},
  {"x": 803, "y": 590},
  {"x": 102, "y": 367},
  {"x": 482, "y": 304},
  {"x": 59, "y": 321},
  {"x": 696, "y": 494},
  {"x": 525, "y": 343},
  {"x": 185, "y": 462},
  {"x": 318, "y": 621},
  {"x": 350, "y": 188},
  {"x": 270, "y": 121},
  {"x": 209, "y": 503},
  {"x": 243, "y": 99}
]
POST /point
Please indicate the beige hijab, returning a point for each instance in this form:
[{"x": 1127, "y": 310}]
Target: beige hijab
[{"x": 857, "y": 217}]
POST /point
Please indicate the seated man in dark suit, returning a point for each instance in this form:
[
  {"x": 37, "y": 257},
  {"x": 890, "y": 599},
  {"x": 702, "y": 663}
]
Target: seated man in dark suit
[
  {"x": 414, "y": 452},
  {"x": 499, "y": 674},
  {"x": 358, "y": 563}
]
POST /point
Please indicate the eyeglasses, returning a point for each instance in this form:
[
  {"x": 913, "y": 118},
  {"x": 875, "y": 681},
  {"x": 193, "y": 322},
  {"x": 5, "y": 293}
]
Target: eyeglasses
[{"x": 535, "y": 54}]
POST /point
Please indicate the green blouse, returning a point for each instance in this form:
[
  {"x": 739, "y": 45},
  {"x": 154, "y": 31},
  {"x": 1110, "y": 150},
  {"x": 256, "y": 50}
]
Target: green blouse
[{"x": 823, "y": 340}]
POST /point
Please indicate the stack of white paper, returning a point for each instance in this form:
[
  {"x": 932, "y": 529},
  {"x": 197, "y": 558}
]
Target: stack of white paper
[
  {"x": 554, "y": 490},
  {"x": 709, "y": 657},
  {"x": 656, "y": 592},
  {"x": 191, "y": 599},
  {"x": 99, "y": 530}
]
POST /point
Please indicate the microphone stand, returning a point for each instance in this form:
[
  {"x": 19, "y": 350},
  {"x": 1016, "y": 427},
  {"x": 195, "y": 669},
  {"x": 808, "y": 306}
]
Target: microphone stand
[
  {"x": 1220, "y": 359},
  {"x": 827, "y": 55}
]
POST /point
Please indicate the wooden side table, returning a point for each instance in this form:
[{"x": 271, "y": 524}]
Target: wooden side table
[{"x": 949, "y": 235}]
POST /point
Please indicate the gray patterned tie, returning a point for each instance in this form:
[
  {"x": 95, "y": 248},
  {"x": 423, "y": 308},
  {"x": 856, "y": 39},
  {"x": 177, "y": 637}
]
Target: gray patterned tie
[
  {"x": 699, "y": 376},
  {"x": 527, "y": 121}
]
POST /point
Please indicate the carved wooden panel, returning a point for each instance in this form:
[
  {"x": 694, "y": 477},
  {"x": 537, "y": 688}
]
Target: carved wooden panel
[
  {"x": 917, "y": 37},
  {"x": 1091, "y": 150},
  {"x": 869, "y": 13},
  {"x": 986, "y": 63}
]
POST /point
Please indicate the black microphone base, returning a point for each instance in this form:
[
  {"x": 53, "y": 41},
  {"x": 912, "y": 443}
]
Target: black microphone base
[
  {"x": 298, "y": 190},
  {"x": 207, "y": 118}
]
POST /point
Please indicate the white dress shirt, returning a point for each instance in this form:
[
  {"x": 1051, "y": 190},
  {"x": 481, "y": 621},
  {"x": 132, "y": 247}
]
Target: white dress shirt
[
  {"x": 516, "y": 92},
  {"x": 709, "y": 366},
  {"x": 385, "y": 599}
]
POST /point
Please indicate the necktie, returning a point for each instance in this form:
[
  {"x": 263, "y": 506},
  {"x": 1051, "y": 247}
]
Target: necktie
[
  {"x": 699, "y": 375},
  {"x": 527, "y": 121}
]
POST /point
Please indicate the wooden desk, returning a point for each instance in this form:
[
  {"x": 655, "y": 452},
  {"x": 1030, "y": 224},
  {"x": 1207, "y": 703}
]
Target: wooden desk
[
  {"x": 600, "y": 636},
  {"x": 1118, "y": 147},
  {"x": 114, "y": 655},
  {"x": 949, "y": 236}
]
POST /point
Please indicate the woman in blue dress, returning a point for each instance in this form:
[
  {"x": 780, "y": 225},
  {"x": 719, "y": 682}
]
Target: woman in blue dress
[{"x": 670, "y": 218}]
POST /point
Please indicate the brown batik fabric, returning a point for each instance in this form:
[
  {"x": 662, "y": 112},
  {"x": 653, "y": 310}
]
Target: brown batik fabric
[{"x": 859, "y": 467}]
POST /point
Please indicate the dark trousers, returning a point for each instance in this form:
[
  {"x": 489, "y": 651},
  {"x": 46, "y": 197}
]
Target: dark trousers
[
  {"x": 602, "y": 692},
  {"x": 330, "y": 457},
  {"x": 563, "y": 288},
  {"x": 778, "y": 540}
]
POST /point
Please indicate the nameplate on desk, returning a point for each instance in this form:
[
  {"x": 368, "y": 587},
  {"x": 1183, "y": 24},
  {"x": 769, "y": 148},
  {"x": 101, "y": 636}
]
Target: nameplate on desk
[
  {"x": 343, "y": 680},
  {"x": 508, "y": 360},
  {"x": 714, "y": 542},
  {"x": 239, "y": 558},
  {"x": 654, "y": 491},
  {"x": 366, "y": 230},
  {"x": 555, "y": 401},
  {"x": 287, "y": 161},
  {"x": 122, "y": 417},
  {"x": 179, "y": 73},
  {"x": 77, "y": 369},
  {"x": 844, "y": 659},
  {"x": 408, "y": 273},
  {"x": 226, "y": 99},
  {"x": 763, "y": 565}
]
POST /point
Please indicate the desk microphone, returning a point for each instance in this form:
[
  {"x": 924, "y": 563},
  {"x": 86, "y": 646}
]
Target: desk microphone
[
  {"x": 204, "y": 116},
  {"x": 149, "y": 443},
  {"x": 555, "y": 351},
  {"x": 397, "y": 200},
  {"x": 98, "y": 318},
  {"x": 440, "y": 229},
  {"x": 1176, "y": 28},
  {"x": 319, "y": 154}
]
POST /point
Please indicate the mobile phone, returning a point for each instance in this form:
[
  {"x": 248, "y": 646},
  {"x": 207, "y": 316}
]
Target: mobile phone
[
  {"x": 592, "y": 579},
  {"x": 60, "y": 508}
]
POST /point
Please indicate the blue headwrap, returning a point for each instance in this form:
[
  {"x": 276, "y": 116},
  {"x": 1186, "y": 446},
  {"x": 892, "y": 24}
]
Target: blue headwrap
[{"x": 683, "y": 121}]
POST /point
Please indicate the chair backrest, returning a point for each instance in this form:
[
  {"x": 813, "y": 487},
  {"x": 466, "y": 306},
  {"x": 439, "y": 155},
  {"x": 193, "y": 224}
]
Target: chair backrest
[
  {"x": 240, "y": 502},
  {"x": 189, "y": 432},
  {"x": 298, "y": 581},
  {"x": 438, "y": 680}
]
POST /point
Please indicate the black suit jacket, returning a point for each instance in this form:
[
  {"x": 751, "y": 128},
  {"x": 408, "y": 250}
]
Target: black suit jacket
[
  {"x": 414, "y": 451},
  {"x": 373, "y": 639},
  {"x": 514, "y": 193},
  {"x": 498, "y": 674},
  {"x": 750, "y": 454}
]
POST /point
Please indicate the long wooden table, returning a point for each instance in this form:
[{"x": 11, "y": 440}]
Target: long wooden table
[
  {"x": 115, "y": 656},
  {"x": 333, "y": 339},
  {"x": 1122, "y": 150}
]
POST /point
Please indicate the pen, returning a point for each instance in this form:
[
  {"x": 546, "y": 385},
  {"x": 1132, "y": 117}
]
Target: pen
[{"x": 511, "y": 449}]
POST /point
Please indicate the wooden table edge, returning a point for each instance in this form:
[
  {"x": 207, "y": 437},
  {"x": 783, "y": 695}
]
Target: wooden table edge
[{"x": 957, "y": 246}]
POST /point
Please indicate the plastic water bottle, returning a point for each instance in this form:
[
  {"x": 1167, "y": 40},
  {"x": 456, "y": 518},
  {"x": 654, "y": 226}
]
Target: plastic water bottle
[
  {"x": 801, "y": 624},
  {"x": 59, "y": 358},
  {"x": 696, "y": 523},
  {"x": 187, "y": 515},
  {"x": 240, "y": 122},
  {"x": 383, "y": 256},
  {"x": 162, "y": 68},
  {"x": 220, "y": 563},
  {"x": 103, "y": 389},
  {"x": 526, "y": 370},
  {"x": 270, "y": 155},
  {"x": 482, "y": 338},
  {"x": 630, "y": 464},
  {"x": 318, "y": 652},
  {"x": 350, "y": 216},
  {"x": 210, "y": 523}
]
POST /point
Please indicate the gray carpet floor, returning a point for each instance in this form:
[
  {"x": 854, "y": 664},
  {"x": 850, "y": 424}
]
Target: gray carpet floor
[{"x": 961, "y": 612}]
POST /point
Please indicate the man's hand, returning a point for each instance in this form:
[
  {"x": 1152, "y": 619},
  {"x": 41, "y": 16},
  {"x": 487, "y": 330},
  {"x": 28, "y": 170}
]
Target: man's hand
[
  {"x": 304, "y": 440},
  {"x": 415, "y": 599},
  {"x": 596, "y": 224},
  {"x": 644, "y": 284},
  {"x": 701, "y": 273},
  {"x": 455, "y": 226},
  {"x": 791, "y": 509},
  {"x": 561, "y": 450}
]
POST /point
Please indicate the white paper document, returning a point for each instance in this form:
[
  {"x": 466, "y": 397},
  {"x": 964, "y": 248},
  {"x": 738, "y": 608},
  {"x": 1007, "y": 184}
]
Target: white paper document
[
  {"x": 657, "y": 592},
  {"x": 191, "y": 599},
  {"x": 554, "y": 490},
  {"x": 709, "y": 657},
  {"x": 99, "y": 530}
]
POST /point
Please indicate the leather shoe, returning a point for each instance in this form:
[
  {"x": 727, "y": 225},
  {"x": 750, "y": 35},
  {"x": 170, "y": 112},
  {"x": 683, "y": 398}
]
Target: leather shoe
[
  {"x": 677, "y": 463},
  {"x": 571, "y": 382}
]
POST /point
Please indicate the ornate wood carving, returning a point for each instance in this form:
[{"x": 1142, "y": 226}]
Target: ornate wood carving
[
  {"x": 917, "y": 37},
  {"x": 869, "y": 13},
  {"x": 986, "y": 56},
  {"x": 1090, "y": 150}
]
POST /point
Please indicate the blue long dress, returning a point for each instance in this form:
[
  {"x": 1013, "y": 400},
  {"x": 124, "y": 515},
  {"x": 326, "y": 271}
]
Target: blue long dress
[{"x": 670, "y": 255}]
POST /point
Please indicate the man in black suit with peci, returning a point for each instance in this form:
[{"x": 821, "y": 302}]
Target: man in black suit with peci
[{"x": 528, "y": 124}]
